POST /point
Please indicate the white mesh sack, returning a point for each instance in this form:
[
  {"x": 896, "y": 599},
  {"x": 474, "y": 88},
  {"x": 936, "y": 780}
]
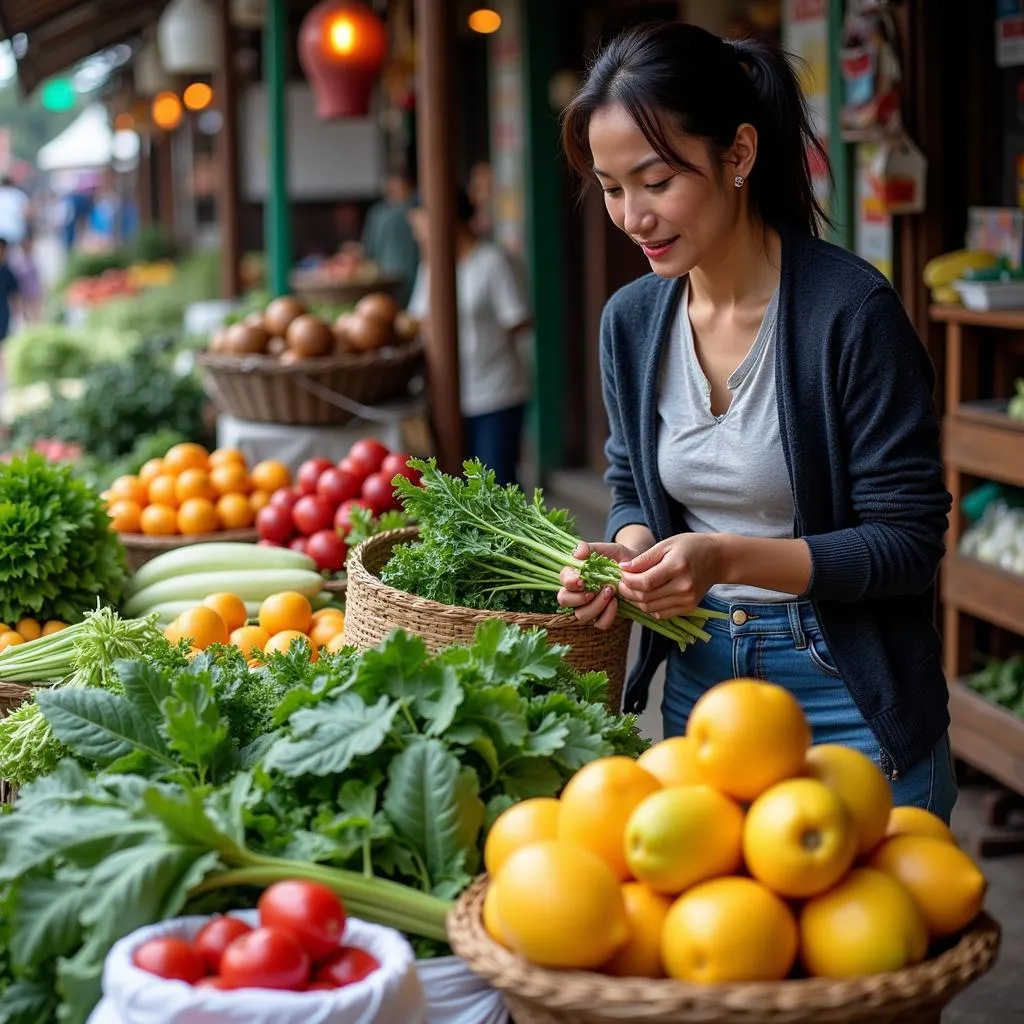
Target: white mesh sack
[{"x": 455, "y": 995}]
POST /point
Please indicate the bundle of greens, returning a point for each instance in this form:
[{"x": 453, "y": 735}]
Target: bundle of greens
[
  {"x": 376, "y": 774},
  {"x": 57, "y": 551},
  {"x": 485, "y": 546}
]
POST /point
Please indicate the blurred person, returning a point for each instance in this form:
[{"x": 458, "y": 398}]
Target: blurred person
[
  {"x": 388, "y": 238},
  {"x": 481, "y": 194},
  {"x": 492, "y": 312},
  {"x": 8, "y": 303},
  {"x": 26, "y": 272},
  {"x": 14, "y": 211}
]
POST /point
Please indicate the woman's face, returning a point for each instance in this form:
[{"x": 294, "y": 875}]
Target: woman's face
[{"x": 680, "y": 219}]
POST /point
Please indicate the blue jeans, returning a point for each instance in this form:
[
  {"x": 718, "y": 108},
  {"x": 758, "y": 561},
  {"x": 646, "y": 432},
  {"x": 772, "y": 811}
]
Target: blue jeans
[
  {"x": 493, "y": 438},
  {"x": 783, "y": 644}
]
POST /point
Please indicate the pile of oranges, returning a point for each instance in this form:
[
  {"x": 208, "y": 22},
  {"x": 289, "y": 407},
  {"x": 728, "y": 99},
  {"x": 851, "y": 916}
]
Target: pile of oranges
[
  {"x": 736, "y": 853},
  {"x": 192, "y": 491},
  {"x": 28, "y": 629},
  {"x": 282, "y": 619}
]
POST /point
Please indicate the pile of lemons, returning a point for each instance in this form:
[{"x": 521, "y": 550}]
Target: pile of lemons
[{"x": 736, "y": 853}]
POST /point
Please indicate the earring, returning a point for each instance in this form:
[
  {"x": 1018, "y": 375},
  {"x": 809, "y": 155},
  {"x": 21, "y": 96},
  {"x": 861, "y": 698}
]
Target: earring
[{"x": 738, "y": 181}]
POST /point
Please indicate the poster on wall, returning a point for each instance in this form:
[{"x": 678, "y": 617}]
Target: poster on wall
[
  {"x": 872, "y": 229},
  {"x": 508, "y": 130}
]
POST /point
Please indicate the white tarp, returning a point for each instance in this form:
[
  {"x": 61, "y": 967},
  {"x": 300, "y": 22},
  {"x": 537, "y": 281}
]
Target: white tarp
[{"x": 86, "y": 143}]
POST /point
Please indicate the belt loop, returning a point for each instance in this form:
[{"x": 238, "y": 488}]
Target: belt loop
[{"x": 799, "y": 638}]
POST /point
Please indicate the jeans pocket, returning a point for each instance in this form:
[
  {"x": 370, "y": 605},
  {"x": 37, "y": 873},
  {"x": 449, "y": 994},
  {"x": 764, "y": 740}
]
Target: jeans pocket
[{"x": 820, "y": 655}]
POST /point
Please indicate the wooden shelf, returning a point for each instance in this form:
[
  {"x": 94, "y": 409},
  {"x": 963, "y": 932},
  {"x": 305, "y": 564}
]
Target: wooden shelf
[
  {"x": 1007, "y": 319},
  {"x": 987, "y": 736},
  {"x": 985, "y": 443},
  {"x": 984, "y": 591}
]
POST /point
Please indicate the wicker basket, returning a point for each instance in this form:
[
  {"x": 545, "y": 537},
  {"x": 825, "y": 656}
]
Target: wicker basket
[
  {"x": 535, "y": 995},
  {"x": 12, "y": 696},
  {"x": 314, "y": 392},
  {"x": 141, "y": 547},
  {"x": 313, "y": 290},
  {"x": 373, "y": 610}
]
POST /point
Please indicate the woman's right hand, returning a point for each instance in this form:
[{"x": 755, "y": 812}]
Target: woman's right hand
[{"x": 598, "y": 607}]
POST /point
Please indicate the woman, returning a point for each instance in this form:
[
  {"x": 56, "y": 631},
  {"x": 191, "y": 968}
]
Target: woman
[
  {"x": 773, "y": 448},
  {"x": 492, "y": 313}
]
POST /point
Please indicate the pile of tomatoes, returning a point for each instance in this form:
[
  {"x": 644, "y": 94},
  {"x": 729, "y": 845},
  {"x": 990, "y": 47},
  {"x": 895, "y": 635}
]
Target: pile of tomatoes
[
  {"x": 296, "y": 948},
  {"x": 314, "y": 516}
]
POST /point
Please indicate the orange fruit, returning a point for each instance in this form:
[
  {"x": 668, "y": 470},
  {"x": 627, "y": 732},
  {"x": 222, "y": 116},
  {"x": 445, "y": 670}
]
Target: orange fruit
[
  {"x": 672, "y": 762},
  {"x": 729, "y": 930},
  {"x": 130, "y": 488},
  {"x": 640, "y": 957},
  {"x": 226, "y": 457},
  {"x": 867, "y": 924},
  {"x": 230, "y": 478},
  {"x": 559, "y": 905},
  {"x": 202, "y": 626},
  {"x": 328, "y": 613},
  {"x": 53, "y": 626},
  {"x": 259, "y": 499},
  {"x": 336, "y": 643},
  {"x": 799, "y": 838},
  {"x": 916, "y": 821},
  {"x": 125, "y": 515},
  {"x": 172, "y": 632},
  {"x": 683, "y": 835},
  {"x": 269, "y": 475},
  {"x": 860, "y": 784},
  {"x": 29, "y": 628},
  {"x": 747, "y": 736},
  {"x": 597, "y": 803},
  {"x": 198, "y": 515},
  {"x": 287, "y": 610},
  {"x": 10, "y": 638},
  {"x": 234, "y": 512},
  {"x": 163, "y": 490},
  {"x": 193, "y": 483},
  {"x": 281, "y": 643},
  {"x": 150, "y": 470},
  {"x": 230, "y": 607},
  {"x": 185, "y": 456},
  {"x": 324, "y": 631},
  {"x": 159, "y": 520},
  {"x": 248, "y": 639},
  {"x": 527, "y": 822},
  {"x": 947, "y": 886}
]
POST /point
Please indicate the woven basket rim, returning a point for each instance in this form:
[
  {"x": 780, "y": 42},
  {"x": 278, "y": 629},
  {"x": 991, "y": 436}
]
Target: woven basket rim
[
  {"x": 390, "y": 538},
  {"x": 168, "y": 541},
  {"x": 626, "y": 998},
  {"x": 390, "y": 355}
]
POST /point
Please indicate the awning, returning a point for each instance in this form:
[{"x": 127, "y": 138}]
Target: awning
[
  {"x": 60, "y": 33},
  {"x": 85, "y": 144}
]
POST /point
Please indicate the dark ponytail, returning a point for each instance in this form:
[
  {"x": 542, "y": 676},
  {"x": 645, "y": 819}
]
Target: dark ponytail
[{"x": 683, "y": 77}]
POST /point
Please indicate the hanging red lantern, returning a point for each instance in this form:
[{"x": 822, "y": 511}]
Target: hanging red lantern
[{"x": 342, "y": 46}]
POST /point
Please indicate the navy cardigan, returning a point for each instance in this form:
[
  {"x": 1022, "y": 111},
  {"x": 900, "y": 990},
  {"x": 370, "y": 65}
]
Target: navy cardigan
[{"x": 861, "y": 440}]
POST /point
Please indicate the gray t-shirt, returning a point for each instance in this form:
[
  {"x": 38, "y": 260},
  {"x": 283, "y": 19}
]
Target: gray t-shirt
[{"x": 727, "y": 472}]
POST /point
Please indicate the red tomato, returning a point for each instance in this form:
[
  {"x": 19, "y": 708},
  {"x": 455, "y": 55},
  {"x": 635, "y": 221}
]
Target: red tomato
[
  {"x": 336, "y": 485},
  {"x": 170, "y": 958},
  {"x": 343, "y": 517},
  {"x": 275, "y": 523},
  {"x": 379, "y": 493},
  {"x": 347, "y": 966},
  {"x": 215, "y": 981},
  {"x": 265, "y": 958},
  {"x": 397, "y": 464},
  {"x": 311, "y": 514},
  {"x": 215, "y": 936},
  {"x": 310, "y": 912},
  {"x": 264, "y": 543},
  {"x": 298, "y": 544},
  {"x": 321, "y": 986},
  {"x": 354, "y": 469},
  {"x": 369, "y": 452},
  {"x": 285, "y": 497},
  {"x": 327, "y": 549},
  {"x": 309, "y": 473}
]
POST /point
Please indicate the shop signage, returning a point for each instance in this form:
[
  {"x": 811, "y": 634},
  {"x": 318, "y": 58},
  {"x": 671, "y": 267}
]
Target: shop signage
[{"x": 1010, "y": 41}]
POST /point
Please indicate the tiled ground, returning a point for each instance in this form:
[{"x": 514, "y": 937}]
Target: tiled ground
[{"x": 998, "y": 998}]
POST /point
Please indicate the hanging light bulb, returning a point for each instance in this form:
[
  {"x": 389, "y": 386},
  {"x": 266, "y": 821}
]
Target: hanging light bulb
[
  {"x": 485, "y": 21},
  {"x": 197, "y": 96},
  {"x": 166, "y": 111},
  {"x": 189, "y": 37}
]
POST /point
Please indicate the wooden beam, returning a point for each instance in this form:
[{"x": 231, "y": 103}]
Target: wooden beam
[
  {"x": 437, "y": 144},
  {"x": 228, "y": 214}
]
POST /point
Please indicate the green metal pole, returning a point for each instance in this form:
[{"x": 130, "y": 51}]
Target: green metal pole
[
  {"x": 545, "y": 239},
  {"x": 839, "y": 151},
  {"x": 276, "y": 214}
]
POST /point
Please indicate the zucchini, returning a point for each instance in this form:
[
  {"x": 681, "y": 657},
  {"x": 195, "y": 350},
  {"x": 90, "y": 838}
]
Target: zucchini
[{"x": 167, "y": 611}]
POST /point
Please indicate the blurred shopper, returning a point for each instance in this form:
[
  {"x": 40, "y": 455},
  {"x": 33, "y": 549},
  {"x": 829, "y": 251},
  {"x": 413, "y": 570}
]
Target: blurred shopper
[
  {"x": 14, "y": 211},
  {"x": 388, "y": 238},
  {"x": 492, "y": 312},
  {"x": 8, "y": 303},
  {"x": 481, "y": 194},
  {"x": 26, "y": 272}
]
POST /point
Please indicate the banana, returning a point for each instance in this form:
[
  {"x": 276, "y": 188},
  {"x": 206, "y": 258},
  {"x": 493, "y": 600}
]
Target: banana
[{"x": 943, "y": 270}]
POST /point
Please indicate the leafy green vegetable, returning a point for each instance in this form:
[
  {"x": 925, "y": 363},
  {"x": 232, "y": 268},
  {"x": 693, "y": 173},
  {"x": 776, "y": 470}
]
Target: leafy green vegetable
[
  {"x": 57, "y": 552},
  {"x": 1002, "y": 682},
  {"x": 47, "y": 352},
  {"x": 486, "y": 546}
]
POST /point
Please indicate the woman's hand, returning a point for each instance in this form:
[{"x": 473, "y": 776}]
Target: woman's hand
[
  {"x": 671, "y": 577},
  {"x": 597, "y": 607}
]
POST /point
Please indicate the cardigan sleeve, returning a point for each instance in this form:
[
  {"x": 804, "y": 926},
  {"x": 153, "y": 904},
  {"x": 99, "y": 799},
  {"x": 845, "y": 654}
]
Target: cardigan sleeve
[
  {"x": 890, "y": 439},
  {"x": 625, "y": 506}
]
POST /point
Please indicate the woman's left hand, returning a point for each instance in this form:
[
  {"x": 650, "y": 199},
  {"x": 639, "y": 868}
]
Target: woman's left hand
[{"x": 672, "y": 577}]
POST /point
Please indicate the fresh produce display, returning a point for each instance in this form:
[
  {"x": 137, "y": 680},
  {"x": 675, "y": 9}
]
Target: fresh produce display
[
  {"x": 688, "y": 862},
  {"x": 119, "y": 282},
  {"x": 998, "y": 537},
  {"x": 296, "y": 947},
  {"x": 287, "y": 331},
  {"x": 40, "y": 353},
  {"x": 57, "y": 553},
  {"x": 486, "y": 546},
  {"x": 332, "y": 507},
  {"x": 190, "y": 491},
  {"x": 372, "y": 774},
  {"x": 1015, "y": 409},
  {"x": 1001, "y": 682}
]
